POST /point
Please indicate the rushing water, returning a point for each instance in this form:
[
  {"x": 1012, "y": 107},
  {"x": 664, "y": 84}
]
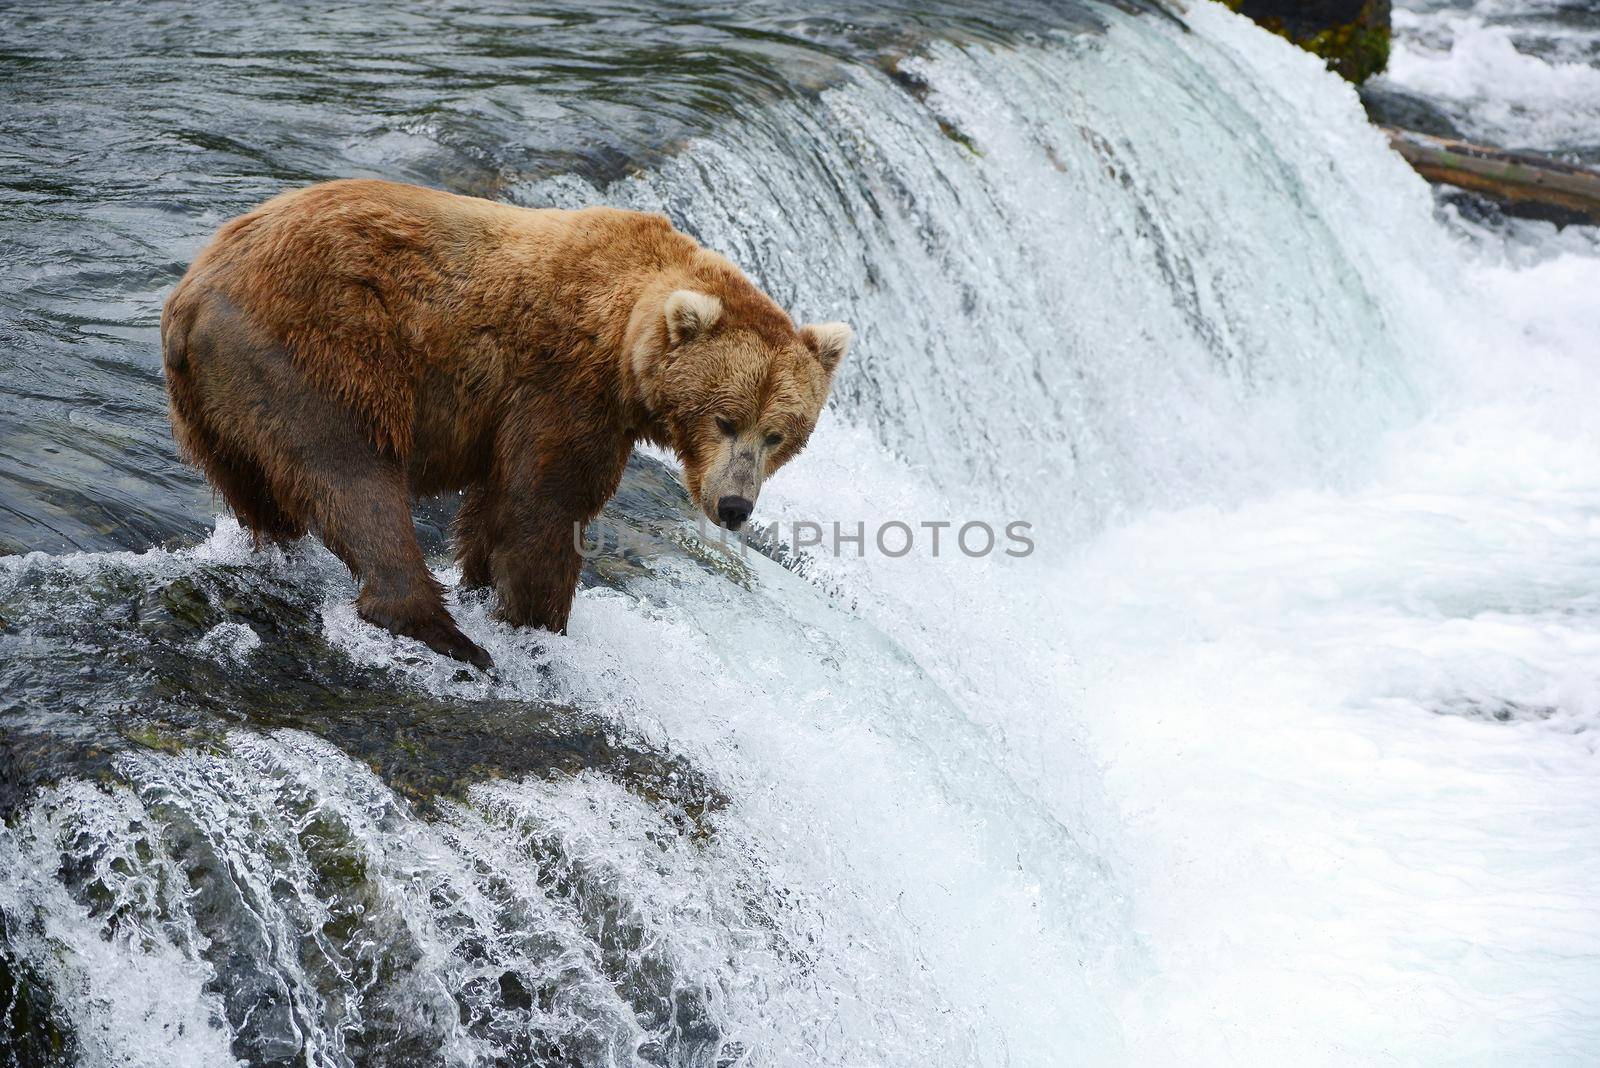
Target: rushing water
[
  {"x": 1518, "y": 73},
  {"x": 1281, "y": 745}
]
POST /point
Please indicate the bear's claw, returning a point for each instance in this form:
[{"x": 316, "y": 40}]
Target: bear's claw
[
  {"x": 459, "y": 647},
  {"x": 438, "y": 633}
]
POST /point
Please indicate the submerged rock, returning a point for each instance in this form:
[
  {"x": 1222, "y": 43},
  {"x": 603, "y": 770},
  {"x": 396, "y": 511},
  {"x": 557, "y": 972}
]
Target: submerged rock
[
  {"x": 1352, "y": 35},
  {"x": 32, "y": 1032}
]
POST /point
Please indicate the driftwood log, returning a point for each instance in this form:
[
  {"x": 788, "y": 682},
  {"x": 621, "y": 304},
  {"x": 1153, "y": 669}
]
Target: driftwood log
[{"x": 1520, "y": 182}]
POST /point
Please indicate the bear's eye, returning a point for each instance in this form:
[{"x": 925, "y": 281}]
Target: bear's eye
[
  {"x": 774, "y": 440},
  {"x": 726, "y": 426}
]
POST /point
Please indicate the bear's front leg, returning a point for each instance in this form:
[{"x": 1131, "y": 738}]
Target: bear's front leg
[
  {"x": 536, "y": 578},
  {"x": 559, "y": 485}
]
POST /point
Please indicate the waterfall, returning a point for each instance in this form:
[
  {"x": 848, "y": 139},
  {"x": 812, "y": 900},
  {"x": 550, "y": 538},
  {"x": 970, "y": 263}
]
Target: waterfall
[
  {"x": 1049, "y": 253},
  {"x": 1155, "y": 291}
]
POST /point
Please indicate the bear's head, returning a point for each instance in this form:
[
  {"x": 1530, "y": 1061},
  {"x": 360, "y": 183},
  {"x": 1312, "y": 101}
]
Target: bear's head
[{"x": 737, "y": 392}]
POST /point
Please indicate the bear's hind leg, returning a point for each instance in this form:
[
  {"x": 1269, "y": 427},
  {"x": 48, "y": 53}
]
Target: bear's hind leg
[
  {"x": 365, "y": 520},
  {"x": 361, "y": 508},
  {"x": 243, "y": 485},
  {"x": 311, "y": 457},
  {"x": 241, "y": 482}
]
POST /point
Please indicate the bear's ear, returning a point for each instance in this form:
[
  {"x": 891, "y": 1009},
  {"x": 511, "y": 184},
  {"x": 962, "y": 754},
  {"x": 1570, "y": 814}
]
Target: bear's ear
[
  {"x": 689, "y": 314},
  {"x": 829, "y": 341}
]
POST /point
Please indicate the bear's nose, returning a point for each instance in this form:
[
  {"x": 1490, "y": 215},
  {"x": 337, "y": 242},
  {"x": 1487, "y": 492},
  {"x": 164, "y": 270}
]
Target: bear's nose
[{"x": 733, "y": 511}]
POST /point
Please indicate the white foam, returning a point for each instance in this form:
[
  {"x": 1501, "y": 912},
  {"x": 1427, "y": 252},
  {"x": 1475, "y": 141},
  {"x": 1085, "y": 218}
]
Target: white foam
[
  {"x": 1496, "y": 91},
  {"x": 230, "y": 642},
  {"x": 130, "y": 985}
]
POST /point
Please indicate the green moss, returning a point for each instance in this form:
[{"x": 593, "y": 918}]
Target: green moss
[
  {"x": 960, "y": 137},
  {"x": 1356, "y": 49}
]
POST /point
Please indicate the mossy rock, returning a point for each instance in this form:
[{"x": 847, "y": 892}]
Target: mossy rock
[
  {"x": 1352, "y": 35},
  {"x": 33, "y": 1033}
]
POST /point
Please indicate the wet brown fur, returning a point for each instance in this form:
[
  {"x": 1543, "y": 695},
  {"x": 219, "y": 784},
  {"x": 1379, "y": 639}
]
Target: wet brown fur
[{"x": 345, "y": 348}]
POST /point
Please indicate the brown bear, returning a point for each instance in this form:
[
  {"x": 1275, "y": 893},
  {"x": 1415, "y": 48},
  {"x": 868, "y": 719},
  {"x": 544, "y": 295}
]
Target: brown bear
[{"x": 345, "y": 348}]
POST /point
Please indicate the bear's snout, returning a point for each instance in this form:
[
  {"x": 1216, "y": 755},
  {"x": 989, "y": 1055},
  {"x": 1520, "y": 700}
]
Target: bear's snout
[{"x": 733, "y": 511}]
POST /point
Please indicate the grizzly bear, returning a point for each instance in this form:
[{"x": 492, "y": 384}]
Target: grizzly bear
[{"x": 346, "y": 348}]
